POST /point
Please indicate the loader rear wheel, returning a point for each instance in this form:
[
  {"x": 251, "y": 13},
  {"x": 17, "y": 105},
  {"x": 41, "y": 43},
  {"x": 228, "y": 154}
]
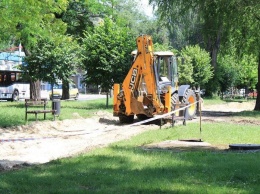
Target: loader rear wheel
[
  {"x": 189, "y": 97},
  {"x": 126, "y": 119},
  {"x": 174, "y": 100}
]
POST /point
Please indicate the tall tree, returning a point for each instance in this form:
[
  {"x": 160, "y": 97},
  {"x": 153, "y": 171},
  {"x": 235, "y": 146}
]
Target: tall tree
[
  {"x": 107, "y": 54},
  {"x": 27, "y": 21},
  {"x": 226, "y": 73},
  {"x": 220, "y": 22},
  {"x": 195, "y": 22},
  {"x": 54, "y": 60},
  {"x": 77, "y": 17},
  {"x": 245, "y": 35},
  {"x": 200, "y": 61},
  {"x": 128, "y": 14}
]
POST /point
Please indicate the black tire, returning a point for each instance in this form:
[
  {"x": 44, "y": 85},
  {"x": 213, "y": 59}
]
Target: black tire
[
  {"x": 174, "y": 100},
  {"x": 142, "y": 117},
  {"x": 190, "y": 97},
  {"x": 77, "y": 97},
  {"x": 15, "y": 96},
  {"x": 126, "y": 119}
]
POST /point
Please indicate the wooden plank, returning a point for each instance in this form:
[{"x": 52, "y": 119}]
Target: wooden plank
[
  {"x": 40, "y": 111},
  {"x": 30, "y": 102}
]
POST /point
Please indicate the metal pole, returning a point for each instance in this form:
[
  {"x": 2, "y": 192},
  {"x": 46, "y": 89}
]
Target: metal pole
[{"x": 200, "y": 116}]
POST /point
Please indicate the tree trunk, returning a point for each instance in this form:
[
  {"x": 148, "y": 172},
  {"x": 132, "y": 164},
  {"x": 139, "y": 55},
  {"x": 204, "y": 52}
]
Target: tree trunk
[
  {"x": 35, "y": 89},
  {"x": 215, "y": 48},
  {"x": 35, "y": 86},
  {"x": 257, "y": 104},
  {"x": 65, "y": 90},
  {"x": 107, "y": 99}
]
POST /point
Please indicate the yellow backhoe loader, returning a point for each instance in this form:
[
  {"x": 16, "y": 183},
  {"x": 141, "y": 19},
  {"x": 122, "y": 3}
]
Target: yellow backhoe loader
[{"x": 151, "y": 86}]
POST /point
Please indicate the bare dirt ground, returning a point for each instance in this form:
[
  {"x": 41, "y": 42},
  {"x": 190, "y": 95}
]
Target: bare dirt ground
[{"x": 41, "y": 142}]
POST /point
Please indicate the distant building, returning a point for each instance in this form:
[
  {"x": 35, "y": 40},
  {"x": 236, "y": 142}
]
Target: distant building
[{"x": 11, "y": 60}]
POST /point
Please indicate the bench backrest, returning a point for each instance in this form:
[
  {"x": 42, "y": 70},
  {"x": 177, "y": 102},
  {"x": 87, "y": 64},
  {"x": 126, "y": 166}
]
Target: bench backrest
[{"x": 35, "y": 102}]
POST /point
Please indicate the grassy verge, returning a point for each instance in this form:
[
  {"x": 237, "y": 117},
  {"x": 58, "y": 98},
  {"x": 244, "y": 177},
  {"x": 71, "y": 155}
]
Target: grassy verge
[
  {"x": 212, "y": 101},
  {"x": 13, "y": 113},
  {"x": 245, "y": 114},
  {"x": 125, "y": 167},
  {"x": 217, "y": 100}
]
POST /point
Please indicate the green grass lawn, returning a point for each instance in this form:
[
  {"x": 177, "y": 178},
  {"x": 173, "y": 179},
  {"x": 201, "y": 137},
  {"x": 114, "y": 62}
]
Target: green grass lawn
[
  {"x": 13, "y": 113},
  {"x": 217, "y": 100},
  {"x": 125, "y": 167}
]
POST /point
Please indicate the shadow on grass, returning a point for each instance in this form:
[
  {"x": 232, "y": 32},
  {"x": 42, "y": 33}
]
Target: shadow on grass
[
  {"x": 13, "y": 113},
  {"x": 228, "y": 114},
  {"x": 89, "y": 105},
  {"x": 122, "y": 169},
  {"x": 96, "y": 106},
  {"x": 116, "y": 121},
  {"x": 6, "y": 104},
  {"x": 216, "y": 114},
  {"x": 247, "y": 113},
  {"x": 7, "y": 122},
  {"x": 240, "y": 100}
]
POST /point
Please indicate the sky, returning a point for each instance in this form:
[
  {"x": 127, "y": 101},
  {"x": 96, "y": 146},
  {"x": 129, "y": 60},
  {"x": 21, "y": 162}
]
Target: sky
[{"x": 144, "y": 6}]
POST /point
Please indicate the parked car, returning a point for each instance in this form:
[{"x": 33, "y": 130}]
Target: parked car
[
  {"x": 57, "y": 91},
  {"x": 252, "y": 94}
]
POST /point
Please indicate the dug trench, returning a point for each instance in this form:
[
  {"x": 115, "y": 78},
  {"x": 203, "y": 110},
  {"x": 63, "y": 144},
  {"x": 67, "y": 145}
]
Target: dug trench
[{"x": 41, "y": 142}]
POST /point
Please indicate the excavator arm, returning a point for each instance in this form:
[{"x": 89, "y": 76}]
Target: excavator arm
[
  {"x": 139, "y": 93},
  {"x": 151, "y": 86}
]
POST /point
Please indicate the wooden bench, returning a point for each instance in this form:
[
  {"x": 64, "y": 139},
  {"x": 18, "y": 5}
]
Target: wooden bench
[{"x": 40, "y": 104}]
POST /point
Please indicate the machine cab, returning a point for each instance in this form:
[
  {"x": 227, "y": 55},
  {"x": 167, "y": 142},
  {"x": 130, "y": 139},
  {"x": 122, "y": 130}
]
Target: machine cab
[{"x": 166, "y": 71}]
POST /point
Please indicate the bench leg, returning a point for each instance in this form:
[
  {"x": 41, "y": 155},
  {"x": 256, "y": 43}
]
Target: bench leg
[{"x": 36, "y": 116}]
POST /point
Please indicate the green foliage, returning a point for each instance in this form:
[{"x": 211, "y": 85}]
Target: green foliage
[
  {"x": 185, "y": 70},
  {"x": 226, "y": 72},
  {"x": 26, "y": 21},
  {"x": 53, "y": 59},
  {"x": 161, "y": 47},
  {"x": 183, "y": 24},
  {"x": 3, "y": 45},
  {"x": 218, "y": 26},
  {"x": 243, "y": 33},
  {"x": 128, "y": 14},
  {"x": 77, "y": 17},
  {"x": 236, "y": 72},
  {"x": 201, "y": 71},
  {"x": 107, "y": 54},
  {"x": 212, "y": 87},
  {"x": 247, "y": 71}
]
